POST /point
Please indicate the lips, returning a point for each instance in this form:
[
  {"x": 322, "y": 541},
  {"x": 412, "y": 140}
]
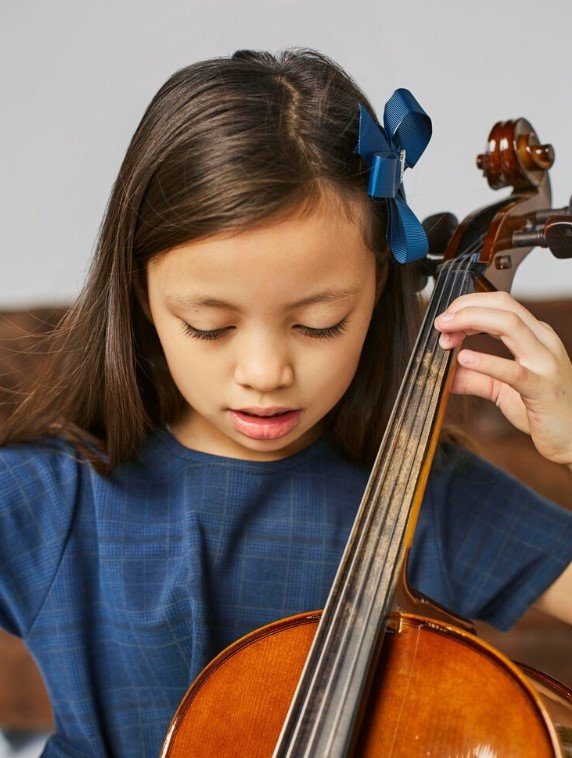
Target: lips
[
  {"x": 269, "y": 423},
  {"x": 269, "y": 411}
]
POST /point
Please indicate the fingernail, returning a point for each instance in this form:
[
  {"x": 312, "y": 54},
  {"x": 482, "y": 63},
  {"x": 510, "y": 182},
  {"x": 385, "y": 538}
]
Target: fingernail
[
  {"x": 467, "y": 356},
  {"x": 446, "y": 316}
]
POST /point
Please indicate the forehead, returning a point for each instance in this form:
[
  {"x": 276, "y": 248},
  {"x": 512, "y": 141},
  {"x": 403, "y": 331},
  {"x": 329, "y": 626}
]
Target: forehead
[{"x": 286, "y": 258}]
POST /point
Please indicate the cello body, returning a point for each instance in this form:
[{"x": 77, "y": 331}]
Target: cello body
[{"x": 436, "y": 691}]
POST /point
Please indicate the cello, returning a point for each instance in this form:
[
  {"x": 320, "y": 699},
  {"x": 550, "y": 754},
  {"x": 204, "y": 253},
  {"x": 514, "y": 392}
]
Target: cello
[{"x": 383, "y": 670}]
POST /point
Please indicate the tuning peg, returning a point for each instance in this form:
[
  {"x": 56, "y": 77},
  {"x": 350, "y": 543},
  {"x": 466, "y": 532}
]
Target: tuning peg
[
  {"x": 555, "y": 233},
  {"x": 541, "y": 216},
  {"x": 558, "y": 236}
]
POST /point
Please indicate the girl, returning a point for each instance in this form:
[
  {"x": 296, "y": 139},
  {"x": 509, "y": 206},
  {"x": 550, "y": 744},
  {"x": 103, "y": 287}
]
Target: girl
[{"x": 189, "y": 466}]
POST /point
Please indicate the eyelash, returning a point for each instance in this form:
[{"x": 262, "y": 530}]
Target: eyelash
[{"x": 215, "y": 334}]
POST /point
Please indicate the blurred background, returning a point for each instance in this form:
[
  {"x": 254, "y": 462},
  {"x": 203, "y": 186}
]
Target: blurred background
[{"x": 76, "y": 78}]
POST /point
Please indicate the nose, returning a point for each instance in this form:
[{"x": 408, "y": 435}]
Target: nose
[{"x": 263, "y": 364}]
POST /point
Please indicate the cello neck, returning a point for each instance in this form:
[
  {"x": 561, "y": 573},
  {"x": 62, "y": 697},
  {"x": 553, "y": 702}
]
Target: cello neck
[{"x": 326, "y": 707}]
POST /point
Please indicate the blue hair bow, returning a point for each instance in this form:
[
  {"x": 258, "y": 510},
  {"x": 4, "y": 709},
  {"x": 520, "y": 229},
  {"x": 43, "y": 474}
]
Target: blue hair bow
[{"x": 389, "y": 150}]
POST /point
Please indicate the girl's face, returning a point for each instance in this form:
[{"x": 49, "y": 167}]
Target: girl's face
[{"x": 266, "y": 321}]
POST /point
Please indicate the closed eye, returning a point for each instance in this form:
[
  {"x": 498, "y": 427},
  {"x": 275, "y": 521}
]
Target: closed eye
[
  {"x": 328, "y": 331},
  {"x": 201, "y": 334},
  {"x": 215, "y": 334}
]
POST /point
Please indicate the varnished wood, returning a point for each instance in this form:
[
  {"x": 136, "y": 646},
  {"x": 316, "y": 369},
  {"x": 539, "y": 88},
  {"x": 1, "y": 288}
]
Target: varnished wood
[
  {"x": 514, "y": 156},
  {"x": 237, "y": 705}
]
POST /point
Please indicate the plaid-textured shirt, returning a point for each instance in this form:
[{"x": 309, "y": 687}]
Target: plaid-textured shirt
[{"x": 125, "y": 587}]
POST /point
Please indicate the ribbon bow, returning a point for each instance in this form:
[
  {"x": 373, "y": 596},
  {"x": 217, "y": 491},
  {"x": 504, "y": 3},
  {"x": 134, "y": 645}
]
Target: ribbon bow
[{"x": 389, "y": 150}]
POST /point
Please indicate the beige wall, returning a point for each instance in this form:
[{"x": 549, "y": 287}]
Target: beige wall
[{"x": 76, "y": 78}]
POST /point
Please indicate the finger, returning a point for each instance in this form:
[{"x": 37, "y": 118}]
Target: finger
[
  {"x": 499, "y": 371},
  {"x": 504, "y": 325},
  {"x": 504, "y": 301},
  {"x": 467, "y": 382},
  {"x": 450, "y": 340}
]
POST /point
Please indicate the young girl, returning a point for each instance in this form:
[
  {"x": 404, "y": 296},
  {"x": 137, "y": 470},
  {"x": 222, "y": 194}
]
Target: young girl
[{"x": 189, "y": 466}]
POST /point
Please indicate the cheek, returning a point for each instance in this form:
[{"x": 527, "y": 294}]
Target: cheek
[
  {"x": 344, "y": 363},
  {"x": 333, "y": 372},
  {"x": 193, "y": 367},
  {"x": 335, "y": 366},
  {"x": 195, "y": 375}
]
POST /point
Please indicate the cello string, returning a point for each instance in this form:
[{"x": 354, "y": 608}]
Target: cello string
[
  {"x": 450, "y": 273},
  {"x": 453, "y": 271},
  {"x": 427, "y": 328},
  {"x": 398, "y": 521},
  {"x": 333, "y": 620},
  {"x": 421, "y": 395},
  {"x": 433, "y": 335},
  {"x": 332, "y": 615},
  {"x": 458, "y": 273}
]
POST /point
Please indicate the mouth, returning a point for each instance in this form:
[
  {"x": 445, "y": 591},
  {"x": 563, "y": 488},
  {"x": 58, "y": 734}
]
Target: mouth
[
  {"x": 265, "y": 423},
  {"x": 264, "y": 412}
]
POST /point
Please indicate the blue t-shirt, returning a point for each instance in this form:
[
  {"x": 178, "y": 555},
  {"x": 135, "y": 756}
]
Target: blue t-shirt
[{"x": 125, "y": 586}]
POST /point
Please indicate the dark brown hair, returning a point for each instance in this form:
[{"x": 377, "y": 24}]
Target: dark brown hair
[{"x": 225, "y": 144}]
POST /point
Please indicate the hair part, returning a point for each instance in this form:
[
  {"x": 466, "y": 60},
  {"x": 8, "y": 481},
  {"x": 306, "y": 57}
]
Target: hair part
[{"x": 226, "y": 144}]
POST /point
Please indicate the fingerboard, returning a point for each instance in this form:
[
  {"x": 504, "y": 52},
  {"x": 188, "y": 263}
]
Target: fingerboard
[{"x": 328, "y": 701}]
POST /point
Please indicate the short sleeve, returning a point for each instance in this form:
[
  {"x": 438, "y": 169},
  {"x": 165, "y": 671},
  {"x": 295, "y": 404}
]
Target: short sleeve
[
  {"x": 38, "y": 491},
  {"x": 487, "y": 545}
]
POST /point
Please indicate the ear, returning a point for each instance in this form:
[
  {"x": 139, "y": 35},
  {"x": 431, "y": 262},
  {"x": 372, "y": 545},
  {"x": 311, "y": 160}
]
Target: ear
[{"x": 140, "y": 290}]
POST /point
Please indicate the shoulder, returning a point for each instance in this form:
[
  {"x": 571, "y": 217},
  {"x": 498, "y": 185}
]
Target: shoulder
[
  {"x": 454, "y": 460},
  {"x": 45, "y": 468},
  {"x": 40, "y": 484},
  {"x": 490, "y": 544},
  {"x": 462, "y": 480}
]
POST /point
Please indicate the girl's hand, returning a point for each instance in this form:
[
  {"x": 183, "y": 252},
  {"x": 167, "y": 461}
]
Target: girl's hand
[{"x": 534, "y": 391}]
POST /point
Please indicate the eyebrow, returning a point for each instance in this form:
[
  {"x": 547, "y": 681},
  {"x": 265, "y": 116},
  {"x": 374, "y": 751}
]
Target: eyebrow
[{"x": 328, "y": 295}]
